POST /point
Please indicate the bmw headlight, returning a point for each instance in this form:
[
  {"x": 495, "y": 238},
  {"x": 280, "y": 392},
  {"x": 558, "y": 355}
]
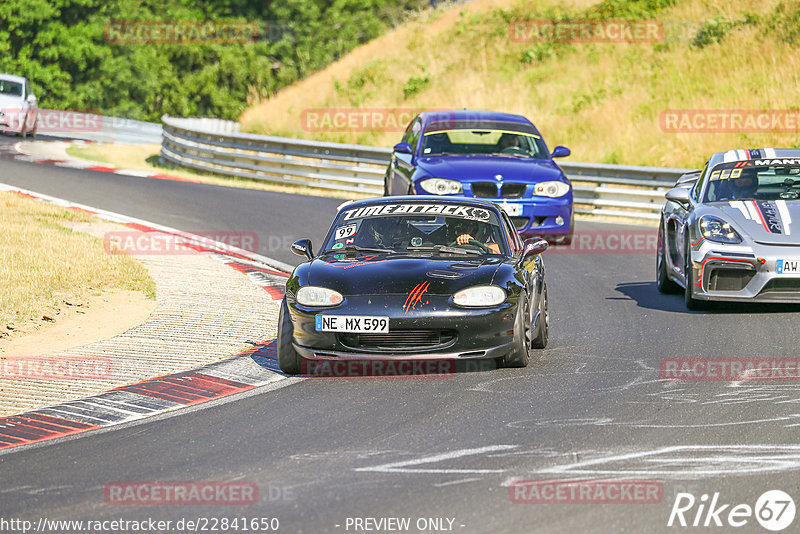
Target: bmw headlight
[
  {"x": 552, "y": 189},
  {"x": 715, "y": 229},
  {"x": 479, "y": 297},
  {"x": 318, "y": 296},
  {"x": 441, "y": 186}
]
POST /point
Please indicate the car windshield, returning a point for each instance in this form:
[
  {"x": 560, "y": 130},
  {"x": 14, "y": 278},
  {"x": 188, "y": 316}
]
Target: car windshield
[
  {"x": 430, "y": 228},
  {"x": 767, "y": 179},
  {"x": 10, "y": 88},
  {"x": 472, "y": 138}
]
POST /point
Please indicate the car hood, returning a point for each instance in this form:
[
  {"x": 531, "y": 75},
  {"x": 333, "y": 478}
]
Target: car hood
[
  {"x": 11, "y": 102},
  {"x": 398, "y": 274},
  {"x": 486, "y": 168},
  {"x": 765, "y": 221}
]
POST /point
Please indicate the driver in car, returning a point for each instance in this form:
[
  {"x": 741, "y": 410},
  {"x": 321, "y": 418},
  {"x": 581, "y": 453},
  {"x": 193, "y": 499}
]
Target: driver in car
[
  {"x": 465, "y": 230},
  {"x": 508, "y": 140},
  {"x": 744, "y": 187}
]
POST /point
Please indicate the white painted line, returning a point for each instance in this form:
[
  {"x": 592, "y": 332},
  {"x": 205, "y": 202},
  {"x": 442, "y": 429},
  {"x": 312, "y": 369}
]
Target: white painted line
[
  {"x": 401, "y": 467},
  {"x": 134, "y": 172}
]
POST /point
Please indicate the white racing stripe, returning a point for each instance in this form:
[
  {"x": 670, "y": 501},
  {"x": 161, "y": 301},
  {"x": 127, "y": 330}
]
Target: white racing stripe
[
  {"x": 739, "y": 205},
  {"x": 754, "y": 215},
  {"x": 770, "y": 153},
  {"x": 785, "y": 217},
  {"x": 729, "y": 156}
]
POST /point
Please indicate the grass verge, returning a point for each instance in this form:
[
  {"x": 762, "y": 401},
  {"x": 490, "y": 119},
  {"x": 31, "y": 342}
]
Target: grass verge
[
  {"x": 43, "y": 264},
  {"x": 605, "y": 100}
]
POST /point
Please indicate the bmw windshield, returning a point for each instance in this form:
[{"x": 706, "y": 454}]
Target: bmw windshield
[
  {"x": 491, "y": 138},
  {"x": 441, "y": 228},
  {"x": 777, "y": 179}
]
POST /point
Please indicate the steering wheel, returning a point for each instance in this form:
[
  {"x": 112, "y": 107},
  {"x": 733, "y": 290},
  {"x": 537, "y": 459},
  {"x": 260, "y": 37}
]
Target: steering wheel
[
  {"x": 512, "y": 150},
  {"x": 474, "y": 243}
]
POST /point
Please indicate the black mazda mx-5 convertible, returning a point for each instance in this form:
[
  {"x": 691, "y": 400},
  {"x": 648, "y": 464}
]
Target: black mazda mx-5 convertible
[{"x": 416, "y": 278}]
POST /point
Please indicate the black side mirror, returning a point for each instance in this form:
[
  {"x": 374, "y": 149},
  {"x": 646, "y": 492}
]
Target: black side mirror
[
  {"x": 533, "y": 247},
  {"x": 560, "y": 152},
  {"x": 403, "y": 148},
  {"x": 302, "y": 247},
  {"x": 679, "y": 195}
]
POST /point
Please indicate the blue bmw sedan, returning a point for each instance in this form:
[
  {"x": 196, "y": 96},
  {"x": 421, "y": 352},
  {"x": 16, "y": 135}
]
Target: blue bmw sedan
[{"x": 496, "y": 156}]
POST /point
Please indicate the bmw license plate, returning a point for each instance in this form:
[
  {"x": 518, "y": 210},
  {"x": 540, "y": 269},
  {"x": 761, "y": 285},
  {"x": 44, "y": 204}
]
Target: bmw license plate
[
  {"x": 787, "y": 266},
  {"x": 513, "y": 210},
  {"x": 357, "y": 324}
]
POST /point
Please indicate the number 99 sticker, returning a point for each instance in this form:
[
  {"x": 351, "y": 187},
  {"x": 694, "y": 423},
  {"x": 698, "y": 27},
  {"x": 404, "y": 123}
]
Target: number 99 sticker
[
  {"x": 775, "y": 510},
  {"x": 348, "y": 230}
]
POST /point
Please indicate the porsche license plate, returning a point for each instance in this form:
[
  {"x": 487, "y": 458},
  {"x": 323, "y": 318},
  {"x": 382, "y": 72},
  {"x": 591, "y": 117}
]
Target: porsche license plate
[
  {"x": 357, "y": 324},
  {"x": 787, "y": 266}
]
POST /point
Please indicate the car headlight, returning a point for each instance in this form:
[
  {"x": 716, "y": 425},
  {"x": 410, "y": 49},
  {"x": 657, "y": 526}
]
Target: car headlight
[
  {"x": 318, "y": 296},
  {"x": 479, "y": 297},
  {"x": 715, "y": 229},
  {"x": 551, "y": 189},
  {"x": 441, "y": 186}
]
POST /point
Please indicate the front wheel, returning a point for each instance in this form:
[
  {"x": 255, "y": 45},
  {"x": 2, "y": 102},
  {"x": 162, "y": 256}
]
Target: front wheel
[
  {"x": 691, "y": 302},
  {"x": 663, "y": 282},
  {"x": 542, "y": 321},
  {"x": 288, "y": 359},
  {"x": 520, "y": 351}
]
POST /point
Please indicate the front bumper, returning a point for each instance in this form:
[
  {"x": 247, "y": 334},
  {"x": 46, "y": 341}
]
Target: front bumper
[
  {"x": 530, "y": 214},
  {"x": 464, "y": 334},
  {"x": 742, "y": 273}
]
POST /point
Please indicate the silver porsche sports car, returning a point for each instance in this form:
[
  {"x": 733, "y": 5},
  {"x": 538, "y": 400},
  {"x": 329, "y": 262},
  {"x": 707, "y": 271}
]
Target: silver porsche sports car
[{"x": 731, "y": 232}]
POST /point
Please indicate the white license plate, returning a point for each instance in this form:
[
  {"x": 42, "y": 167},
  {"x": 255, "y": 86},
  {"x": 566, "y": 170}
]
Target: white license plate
[
  {"x": 514, "y": 210},
  {"x": 358, "y": 324},
  {"x": 787, "y": 266}
]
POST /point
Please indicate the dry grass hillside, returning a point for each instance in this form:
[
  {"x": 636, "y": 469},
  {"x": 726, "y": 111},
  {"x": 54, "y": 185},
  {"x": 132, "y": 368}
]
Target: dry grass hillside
[{"x": 602, "y": 99}]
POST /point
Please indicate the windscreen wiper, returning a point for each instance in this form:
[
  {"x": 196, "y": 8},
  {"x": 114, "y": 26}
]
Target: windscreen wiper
[
  {"x": 356, "y": 248},
  {"x": 446, "y": 249}
]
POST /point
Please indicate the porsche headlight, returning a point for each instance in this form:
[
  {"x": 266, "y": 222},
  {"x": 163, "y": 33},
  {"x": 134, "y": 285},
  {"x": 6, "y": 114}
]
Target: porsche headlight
[
  {"x": 318, "y": 296},
  {"x": 715, "y": 229},
  {"x": 441, "y": 186},
  {"x": 479, "y": 297},
  {"x": 552, "y": 189}
]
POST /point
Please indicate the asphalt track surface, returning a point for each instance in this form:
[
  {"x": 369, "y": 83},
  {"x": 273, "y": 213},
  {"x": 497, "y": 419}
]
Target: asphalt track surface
[{"x": 591, "y": 406}]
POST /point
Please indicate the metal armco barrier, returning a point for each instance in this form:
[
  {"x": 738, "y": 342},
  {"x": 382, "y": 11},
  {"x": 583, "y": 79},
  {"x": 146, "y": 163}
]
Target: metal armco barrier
[{"x": 217, "y": 146}]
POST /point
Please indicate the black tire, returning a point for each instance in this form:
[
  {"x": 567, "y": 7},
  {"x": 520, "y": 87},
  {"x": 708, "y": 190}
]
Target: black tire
[
  {"x": 691, "y": 302},
  {"x": 520, "y": 351},
  {"x": 663, "y": 282},
  {"x": 288, "y": 359},
  {"x": 542, "y": 321}
]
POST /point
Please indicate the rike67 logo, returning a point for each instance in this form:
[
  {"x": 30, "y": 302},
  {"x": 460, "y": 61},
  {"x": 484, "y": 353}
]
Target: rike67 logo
[{"x": 774, "y": 510}]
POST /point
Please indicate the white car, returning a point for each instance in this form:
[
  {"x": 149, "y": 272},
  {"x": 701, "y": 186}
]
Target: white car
[{"x": 18, "y": 106}]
